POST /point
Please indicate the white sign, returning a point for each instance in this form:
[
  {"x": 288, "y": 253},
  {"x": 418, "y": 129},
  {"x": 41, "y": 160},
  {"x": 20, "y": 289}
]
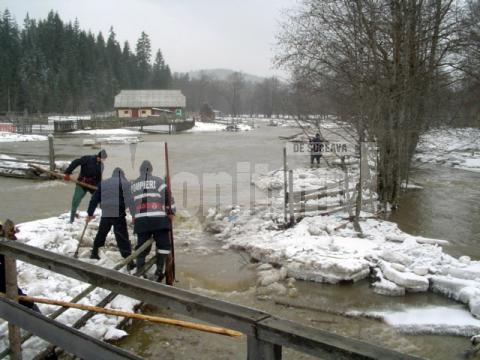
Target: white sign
[{"x": 320, "y": 148}]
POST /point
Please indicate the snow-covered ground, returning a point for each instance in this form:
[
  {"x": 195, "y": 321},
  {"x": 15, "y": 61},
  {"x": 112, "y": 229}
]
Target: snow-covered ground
[
  {"x": 204, "y": 126},
  {"x": 110, "y": 136},
  {"x": 104, "y": 132},
  {"x": 68, "y": 118},
  {"x": 56, "y": 235},
  {"x": 13, "y": 137},
  {"x": 112, "y": 140},
  {"x": 303, "y": 179},
  {"x": 455, "y": 147}
]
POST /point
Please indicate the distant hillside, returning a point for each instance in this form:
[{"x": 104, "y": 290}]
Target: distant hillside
[{"x": 222, "y": 74}]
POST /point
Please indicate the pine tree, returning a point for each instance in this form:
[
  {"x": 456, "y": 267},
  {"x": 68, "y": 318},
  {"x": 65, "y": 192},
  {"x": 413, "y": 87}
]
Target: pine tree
[
  {"x": 161, "y": 76},
  {"x": 32, "y": 69},
  {"x": 143, "y": 56},
  {"x": 10, "y": 45},
  {"x": 50, "y": 66}
]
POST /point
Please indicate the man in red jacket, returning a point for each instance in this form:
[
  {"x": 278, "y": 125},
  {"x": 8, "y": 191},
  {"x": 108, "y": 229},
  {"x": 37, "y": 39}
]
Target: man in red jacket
[{"x": 151, "y": 209}]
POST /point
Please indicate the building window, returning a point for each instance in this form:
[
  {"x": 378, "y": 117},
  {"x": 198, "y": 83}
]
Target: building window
[{"x": 125, "y": 111}]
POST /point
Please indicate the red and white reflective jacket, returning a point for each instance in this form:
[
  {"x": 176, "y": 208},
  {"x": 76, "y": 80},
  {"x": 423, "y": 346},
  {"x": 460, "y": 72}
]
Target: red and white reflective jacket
[{"x": 151, "y": 204}]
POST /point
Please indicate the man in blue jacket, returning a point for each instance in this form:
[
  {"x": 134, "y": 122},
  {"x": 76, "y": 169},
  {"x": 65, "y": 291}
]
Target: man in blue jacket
[
  {"x": 114, "y": 195},
  {"x": 152, "y": 213},
  {"x": 91, "y": 168}
]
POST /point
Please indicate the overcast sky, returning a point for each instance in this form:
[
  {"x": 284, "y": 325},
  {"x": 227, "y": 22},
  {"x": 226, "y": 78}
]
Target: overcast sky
[{"x": 192, "y": 34}]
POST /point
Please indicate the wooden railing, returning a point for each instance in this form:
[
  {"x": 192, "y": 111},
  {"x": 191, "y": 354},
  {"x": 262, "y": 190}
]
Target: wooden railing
[{"x": 266, "y": 334}]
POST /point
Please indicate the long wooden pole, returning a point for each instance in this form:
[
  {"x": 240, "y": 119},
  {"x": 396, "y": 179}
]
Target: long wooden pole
[
  {"x": 170, "y": 263},
  {"x": 156, "y": 319},
  {"x": 60, "y": 176}
]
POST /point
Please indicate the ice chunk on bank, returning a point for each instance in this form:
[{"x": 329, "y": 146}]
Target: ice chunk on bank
[{"x": 408, "y": 280}]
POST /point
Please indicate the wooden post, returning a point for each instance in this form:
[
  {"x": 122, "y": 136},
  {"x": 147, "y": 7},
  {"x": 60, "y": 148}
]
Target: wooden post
[
  {"x": 361, "y": 168},
  {"x": 346, "y": 187},
  {"x": 285, "y": 191},
  {"x": 257, "y": 349},
  {"x": 14, "y": 336},
  {"x": 51, "y": 152},
  {"x": 290, "y": 195}
]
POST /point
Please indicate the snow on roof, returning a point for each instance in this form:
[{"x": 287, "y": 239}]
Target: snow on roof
[{"x": 149, "y": 98}]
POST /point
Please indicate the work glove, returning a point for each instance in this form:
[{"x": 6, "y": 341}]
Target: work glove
[{"x": 66, "y": 177}]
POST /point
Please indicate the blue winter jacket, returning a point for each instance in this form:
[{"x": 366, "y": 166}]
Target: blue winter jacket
[{"x": 114, "y": 196}]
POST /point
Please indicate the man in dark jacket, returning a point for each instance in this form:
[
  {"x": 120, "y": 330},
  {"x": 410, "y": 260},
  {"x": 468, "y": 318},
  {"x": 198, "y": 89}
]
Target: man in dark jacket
[
  {"x": 112, "y": 194},
  {"x": 315, "y": 148},
  {"x": 91, "y": 168},
  {"x": 153, "y": 210}
]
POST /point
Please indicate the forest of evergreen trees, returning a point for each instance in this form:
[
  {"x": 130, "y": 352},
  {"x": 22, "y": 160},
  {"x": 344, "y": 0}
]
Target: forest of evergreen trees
[{"x": 51, "y": 66}]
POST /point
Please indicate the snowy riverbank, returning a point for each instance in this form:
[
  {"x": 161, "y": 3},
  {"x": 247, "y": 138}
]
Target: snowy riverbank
[
  {"x": 204, "y": 127},
  {"x": 14, "y": 137},
  {"x": 328, "y": 249},
  {"x": 56, "y": 235},
  {"x": 454, "y": 147}
]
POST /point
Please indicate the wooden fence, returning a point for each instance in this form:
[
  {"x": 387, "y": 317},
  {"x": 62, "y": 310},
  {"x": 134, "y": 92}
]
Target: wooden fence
[
  {"x": 54, "y": 123},
  {"x": 296, "y": 202}
]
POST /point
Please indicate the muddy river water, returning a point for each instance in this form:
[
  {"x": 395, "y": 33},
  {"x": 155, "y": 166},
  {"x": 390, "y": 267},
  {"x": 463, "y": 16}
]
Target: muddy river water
[{"x": 216, "y": 168}]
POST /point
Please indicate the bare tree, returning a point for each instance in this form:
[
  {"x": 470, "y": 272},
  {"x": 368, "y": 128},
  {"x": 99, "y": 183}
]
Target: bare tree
[
  {"x": 233, "y": 87},
  {"x": 381, "y": 61}
]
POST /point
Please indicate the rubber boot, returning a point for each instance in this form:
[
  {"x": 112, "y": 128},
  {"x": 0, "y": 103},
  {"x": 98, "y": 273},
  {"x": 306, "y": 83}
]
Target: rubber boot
[
  {"x": 131, "y": 265},
  {"x": 94, "y": 254},
  {"x": 160, "y": 259}
]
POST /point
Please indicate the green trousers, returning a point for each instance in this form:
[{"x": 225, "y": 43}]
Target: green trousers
[{"x": 78, "y": 195}]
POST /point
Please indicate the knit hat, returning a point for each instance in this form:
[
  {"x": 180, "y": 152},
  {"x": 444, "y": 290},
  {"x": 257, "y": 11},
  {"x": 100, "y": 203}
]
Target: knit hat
[{"x": 102, "y": 154}]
